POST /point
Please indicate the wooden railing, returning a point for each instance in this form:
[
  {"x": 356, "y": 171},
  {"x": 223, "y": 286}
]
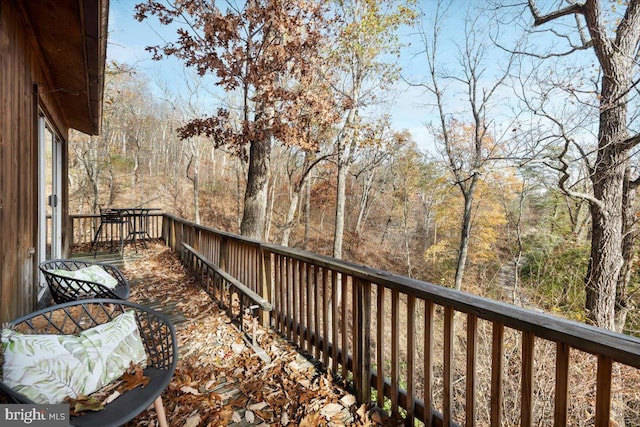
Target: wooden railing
[
  {"x": 84, "y": 226},
  {"x": 427, "y": 352}
]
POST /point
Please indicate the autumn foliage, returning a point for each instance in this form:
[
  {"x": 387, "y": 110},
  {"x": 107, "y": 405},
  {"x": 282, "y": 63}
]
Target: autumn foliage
[{"x": 267, "y": 52}]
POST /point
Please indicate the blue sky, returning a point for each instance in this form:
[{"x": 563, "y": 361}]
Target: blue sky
[{"x": 128, "y": 39}]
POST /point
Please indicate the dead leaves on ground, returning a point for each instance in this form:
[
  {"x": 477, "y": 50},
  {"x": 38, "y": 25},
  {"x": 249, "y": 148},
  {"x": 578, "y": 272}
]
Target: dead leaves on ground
[{"x": 219, "y": 379}]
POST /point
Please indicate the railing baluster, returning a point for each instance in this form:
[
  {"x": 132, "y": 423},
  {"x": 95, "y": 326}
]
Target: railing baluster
[
  {"x": 279, "y": 291},
  {"x": 428, "y": 362},
  {"x": 356, "y": 333},
  {"x": 395, "y": 349},
  {"x": 310, "y": 286},
  {"x": 603, "y": 391},
  {"x": 411, "y": 355},
  {"x": 334, "y": 320},
  {"x": 344, "y": 326},
  {"x": 380, "y": 338},
  {"x": 472, "y": 338},
  {"x": 366, "y": 331},
  {"x": 291, "y": 298},
  {"x": 296, "y": 294},
  {"x": 317, "y": 307},
  {"x": 325, "y": 317},
  {"x": 562, "y": 385},
  {"x": 302, "y": 275},
  {"x": 496, "y": 374},
  {"x": 447, "y": 396},
  {"x": 526, "y": 387}
]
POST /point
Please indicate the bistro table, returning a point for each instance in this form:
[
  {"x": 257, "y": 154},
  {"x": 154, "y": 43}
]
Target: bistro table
[{"x": 138, "y": 219}]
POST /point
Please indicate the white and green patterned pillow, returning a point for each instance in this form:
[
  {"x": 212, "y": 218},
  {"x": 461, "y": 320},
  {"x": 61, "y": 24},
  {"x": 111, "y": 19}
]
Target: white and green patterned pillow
[
  {"x": 93, "y": 273},
  {"x": 45, "y": 368},
  {"x": 112, "y": 346},
  {"x": 48, "y": 368}
]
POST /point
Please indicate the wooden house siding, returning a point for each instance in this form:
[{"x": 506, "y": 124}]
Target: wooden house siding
[{"x": 26, "y": 84}]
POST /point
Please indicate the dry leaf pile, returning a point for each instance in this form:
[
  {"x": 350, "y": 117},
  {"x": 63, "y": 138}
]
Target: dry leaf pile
[{"x": 220, "y": 380}]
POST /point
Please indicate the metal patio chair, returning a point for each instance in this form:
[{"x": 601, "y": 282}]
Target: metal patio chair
[
  {"x": 158, "y": 338},
  {"x": 65, "y": 289},
  {"x": 109, "y": 218}
]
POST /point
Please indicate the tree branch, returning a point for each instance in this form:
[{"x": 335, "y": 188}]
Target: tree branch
[
  {"x": 565, "y": 175},
  {"x": 540, "y": 19},
  {"x": 630, "y": 142}
]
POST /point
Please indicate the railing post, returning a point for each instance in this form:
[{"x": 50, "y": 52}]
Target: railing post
[
  {"x": 165, "y": 231},
  {"x": 69, "y": 232},
  {"x": 179, "y": 237},
  {"x": 224, "y": 252}
]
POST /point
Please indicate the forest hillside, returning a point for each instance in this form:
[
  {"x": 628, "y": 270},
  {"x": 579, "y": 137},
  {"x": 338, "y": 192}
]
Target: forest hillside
[
  {"x": 529, "y": 244},
  {"x": 281, "y": 129}
]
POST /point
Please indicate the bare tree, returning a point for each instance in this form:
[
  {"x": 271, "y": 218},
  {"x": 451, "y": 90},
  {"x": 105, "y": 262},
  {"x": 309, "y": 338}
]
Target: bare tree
[
  {"x": 611, "y": 33},
  {"x": 366, "y": 34},
  {"x": 469, "y": 147}
]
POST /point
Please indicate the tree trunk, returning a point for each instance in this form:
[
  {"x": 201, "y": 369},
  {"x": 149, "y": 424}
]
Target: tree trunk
[
  {"x": 196, "y": 195},
  {"x": 271, "y": 199},
  {"x": 605, "y": 278},
  {"x": 367, "y": 185},
  {"x": 606, "y": 258},
  {"x": 255, "y": 196},
  {"x": 341, "y": 203},
  {"x": 405, "y": 229},
  {"x": 307, "y": 214},
  {"x": 630, "y": 235},
  {"x": 293, "y": 207},
  {"x": 608, "y": 177},
  {"x": 465, "y": 235}
]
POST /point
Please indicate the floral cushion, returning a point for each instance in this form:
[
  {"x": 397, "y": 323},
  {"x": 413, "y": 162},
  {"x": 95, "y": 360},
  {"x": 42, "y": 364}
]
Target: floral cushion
[
  {"x": 93, "y": 273},
  {"x": 48, "y": 368}
]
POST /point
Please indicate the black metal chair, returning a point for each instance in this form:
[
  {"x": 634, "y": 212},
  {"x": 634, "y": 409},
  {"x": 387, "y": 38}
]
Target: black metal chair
[
  {"x": 65, "y": 289},
  {"x": 108, "y": 219},
  {"x": 158, "y": 338}
]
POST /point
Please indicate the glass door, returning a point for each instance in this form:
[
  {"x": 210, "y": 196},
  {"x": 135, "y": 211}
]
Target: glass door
[{"x": 50, "y": 191}]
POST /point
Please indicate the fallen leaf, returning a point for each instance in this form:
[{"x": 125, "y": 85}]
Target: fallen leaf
[
  {"x": 192, "y": 421},
  {"x": 84, "y": 403},
  {"x": 190, "y": 390},
  {"x": 257, "y": 406},
  {"x": 330, "y": 410},
  {"x": 250, "y": 417},
  {"x": 348, "y": 400},
  {"x": 133, "y": 378},
  {"x": 236, "y": 417},
  {"x": 362, "y": 411}
]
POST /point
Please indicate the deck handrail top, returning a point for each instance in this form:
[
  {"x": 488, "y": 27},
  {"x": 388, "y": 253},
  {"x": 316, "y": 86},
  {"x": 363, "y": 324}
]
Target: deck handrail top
[{"x": 243, "y": 239}]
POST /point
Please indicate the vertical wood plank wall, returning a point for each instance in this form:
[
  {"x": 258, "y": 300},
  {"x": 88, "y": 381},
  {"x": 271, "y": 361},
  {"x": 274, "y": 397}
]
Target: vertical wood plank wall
[{"x": 20, "y": 69}]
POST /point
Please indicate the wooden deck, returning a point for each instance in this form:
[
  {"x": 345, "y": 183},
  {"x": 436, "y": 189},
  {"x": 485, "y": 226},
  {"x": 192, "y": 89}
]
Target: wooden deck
[{"x": 206, "y": 338}]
